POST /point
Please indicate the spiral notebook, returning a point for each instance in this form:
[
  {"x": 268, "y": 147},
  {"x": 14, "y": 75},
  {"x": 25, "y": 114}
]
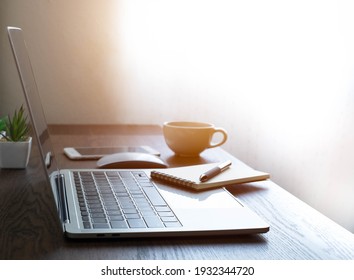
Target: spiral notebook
[{"x": 189, "y": 176}]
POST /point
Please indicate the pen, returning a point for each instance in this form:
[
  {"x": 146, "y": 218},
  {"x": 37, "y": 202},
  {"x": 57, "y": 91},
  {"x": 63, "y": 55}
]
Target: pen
[{"x": 215, "y": 171}]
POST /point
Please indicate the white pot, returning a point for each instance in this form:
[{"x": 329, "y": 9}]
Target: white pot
[{"x": 15, "y": 154}]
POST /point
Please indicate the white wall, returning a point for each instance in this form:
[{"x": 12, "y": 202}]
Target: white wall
[{"x": 278, "y": 75}]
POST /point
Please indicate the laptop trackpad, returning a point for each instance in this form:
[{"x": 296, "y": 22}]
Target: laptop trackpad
[{"x": 208, "y": 210}]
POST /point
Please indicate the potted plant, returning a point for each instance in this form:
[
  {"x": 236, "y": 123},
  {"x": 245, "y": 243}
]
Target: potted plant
[{"x": 15, "y": 142}]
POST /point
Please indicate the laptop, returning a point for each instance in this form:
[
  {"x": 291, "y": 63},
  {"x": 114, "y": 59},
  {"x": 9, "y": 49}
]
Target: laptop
[{"x": 122, "y": 203}]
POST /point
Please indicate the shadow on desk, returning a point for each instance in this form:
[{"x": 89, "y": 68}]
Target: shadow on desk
[{"x": 218, "y": 247}]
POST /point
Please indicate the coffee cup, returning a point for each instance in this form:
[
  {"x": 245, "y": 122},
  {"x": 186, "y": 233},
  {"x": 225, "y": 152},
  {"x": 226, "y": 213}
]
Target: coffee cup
[{"x": 191, "y": 138}]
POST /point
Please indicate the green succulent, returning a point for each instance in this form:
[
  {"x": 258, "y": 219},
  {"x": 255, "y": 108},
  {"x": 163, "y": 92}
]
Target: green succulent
[
  {"x": 3, "y": 123},
  {"x": 16, "y": 127}
]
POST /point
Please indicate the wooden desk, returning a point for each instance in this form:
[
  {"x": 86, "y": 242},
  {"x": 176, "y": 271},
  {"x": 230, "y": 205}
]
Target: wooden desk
[{"x": 29, "y": 227}]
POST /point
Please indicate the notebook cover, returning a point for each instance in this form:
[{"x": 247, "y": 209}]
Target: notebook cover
[{"x": 188, "y": 176}]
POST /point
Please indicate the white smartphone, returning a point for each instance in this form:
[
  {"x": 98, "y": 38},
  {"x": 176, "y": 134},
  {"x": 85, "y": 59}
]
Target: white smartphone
[{"x": 81, "y": 153}]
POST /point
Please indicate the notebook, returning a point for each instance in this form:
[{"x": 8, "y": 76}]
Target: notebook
[
  {"x": 189, "y": 176},
  {"x": 115, "y": 203}
]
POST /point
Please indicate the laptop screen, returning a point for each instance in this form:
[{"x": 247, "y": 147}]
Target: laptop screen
[{"x": 32, "y": 97}]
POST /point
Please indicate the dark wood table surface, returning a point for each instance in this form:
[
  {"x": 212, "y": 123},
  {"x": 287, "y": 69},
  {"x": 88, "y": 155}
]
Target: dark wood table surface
[{"x": 30, "y": 229}]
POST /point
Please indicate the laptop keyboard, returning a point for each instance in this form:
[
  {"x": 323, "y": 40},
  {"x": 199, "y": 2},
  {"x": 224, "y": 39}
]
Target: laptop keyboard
[{"x": 121, "y": 199}]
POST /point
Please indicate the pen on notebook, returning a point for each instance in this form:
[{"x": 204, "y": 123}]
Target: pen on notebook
[{"x": 215, "y": 171}]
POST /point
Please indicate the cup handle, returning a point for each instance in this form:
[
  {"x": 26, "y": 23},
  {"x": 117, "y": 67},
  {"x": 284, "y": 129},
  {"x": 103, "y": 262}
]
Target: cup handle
[{"x": 223, "y": 132}]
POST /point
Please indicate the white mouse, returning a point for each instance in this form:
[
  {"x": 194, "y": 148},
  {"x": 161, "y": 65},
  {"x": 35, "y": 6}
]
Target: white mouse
[{"x": 130, "y": 160}]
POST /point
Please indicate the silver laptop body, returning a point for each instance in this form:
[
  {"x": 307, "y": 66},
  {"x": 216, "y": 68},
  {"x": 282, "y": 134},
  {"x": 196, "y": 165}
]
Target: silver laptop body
[{"x": 146, "y": 208}]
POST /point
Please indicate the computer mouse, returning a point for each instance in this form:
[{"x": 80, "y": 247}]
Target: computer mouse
[{"x": 130, "y": 160}]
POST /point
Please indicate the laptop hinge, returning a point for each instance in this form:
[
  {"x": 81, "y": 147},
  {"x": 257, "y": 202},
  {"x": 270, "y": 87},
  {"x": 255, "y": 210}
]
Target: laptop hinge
[{"x": 62, "y": 201}]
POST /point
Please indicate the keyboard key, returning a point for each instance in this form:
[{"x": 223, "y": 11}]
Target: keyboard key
[
  {"x": 125, "y": 174},
  {"x": 96, "y": 210},
  {"x": 126, "y": 205},
  {"x": 132, "y": 216},
  {"x": 122, "y": 194},
  {"x": 99, "y": 220},
  {"x": 130, "y": 211},
  {"x": 114, "y": 213},
  {"x": 116, "y": 218},
  {"x": 169, "y": 219},
  {"x": 105, "y": 191},
  {"x": 163, "y": 208},
  {"x": 154, "y": 196},
  {"x": 108, "y": 199},
  {"x": 111, "y": 205},
  {"x": 146, "y": 213},
  {"x": 144, "y": 207},
  {"x": 119, "y": 224},
  {"x": 146, "y": 184},
  {"x": 87, "y": 225},
  {"x": 153, "y": 222},
  {"x": 101, "y": 225},
  {"x": 166, "y": 214},
  {"x": 94, "y": 204},
  {"x": 98, "y": 215},
  {"x": 84, "y": 213},
  {"x": 136, "y": 223}
]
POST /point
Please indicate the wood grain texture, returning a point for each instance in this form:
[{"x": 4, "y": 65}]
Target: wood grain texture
[{"x": 29, "y": 227}]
